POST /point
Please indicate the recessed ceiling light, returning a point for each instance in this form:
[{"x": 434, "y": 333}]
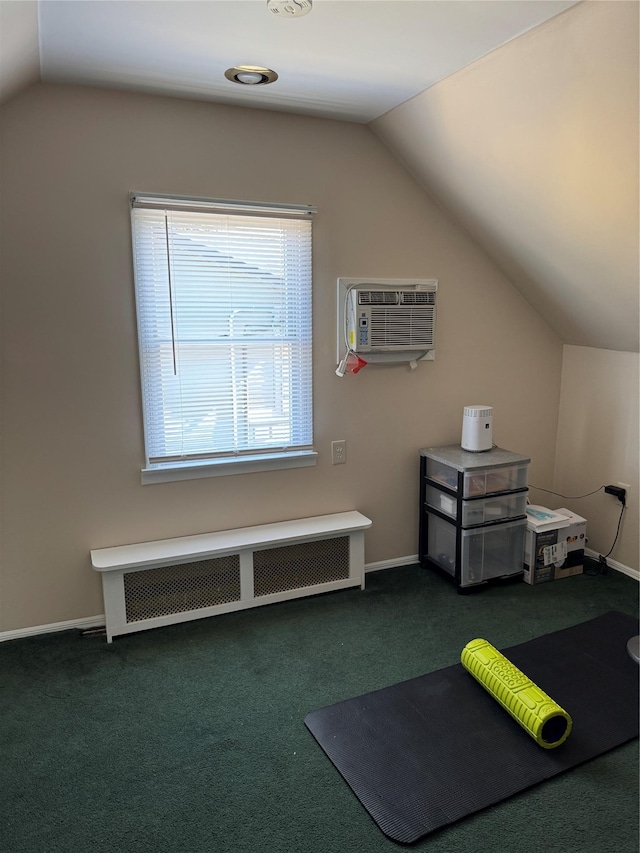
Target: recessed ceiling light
[
  {"x": 289, "y": 8},
  {"x": 250, "y": 75}
]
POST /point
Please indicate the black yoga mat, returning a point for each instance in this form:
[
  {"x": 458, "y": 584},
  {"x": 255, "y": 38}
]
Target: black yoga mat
[{"x": 426, "y": 752}]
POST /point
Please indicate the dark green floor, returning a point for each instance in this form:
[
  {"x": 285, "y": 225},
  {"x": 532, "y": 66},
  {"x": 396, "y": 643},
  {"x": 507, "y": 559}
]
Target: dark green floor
[{"x": 191, "y": 738}]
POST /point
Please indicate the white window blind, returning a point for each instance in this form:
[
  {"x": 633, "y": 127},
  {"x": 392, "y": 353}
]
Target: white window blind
[{"x": 224, "y": 323}]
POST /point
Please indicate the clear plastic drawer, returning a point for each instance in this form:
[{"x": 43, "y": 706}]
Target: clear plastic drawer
[
  {"x": 493, "y": 480},
  {"x": 481, "y": 511},
  {"x": 479, "y": 481},
  {"x": 442, "y": 473},
  {"x": 488, "y": 510},
  {"x": 442, "y": 501},
  {"x": 492, "y": 552},
  {"x": 442, "y": 543},
  {"x": 485, "y": 552}
]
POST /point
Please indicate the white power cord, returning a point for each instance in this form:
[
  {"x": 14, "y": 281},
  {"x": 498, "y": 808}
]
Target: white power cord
[{"x": 341, "y": 368}]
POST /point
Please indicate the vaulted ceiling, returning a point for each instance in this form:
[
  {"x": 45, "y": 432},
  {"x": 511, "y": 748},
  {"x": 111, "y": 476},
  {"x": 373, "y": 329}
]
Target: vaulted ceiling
[
  {"x": 534, "y": 150},
  {"x": 519, "y": 116}
]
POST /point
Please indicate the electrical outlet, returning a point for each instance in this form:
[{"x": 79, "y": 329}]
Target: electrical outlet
[
  {"x": 626, "y": 487},
  {"x": 338, "y": 452}
]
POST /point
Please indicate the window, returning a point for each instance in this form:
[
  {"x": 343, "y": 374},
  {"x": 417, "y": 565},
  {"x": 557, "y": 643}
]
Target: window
[{"x": 223, "y": 294}]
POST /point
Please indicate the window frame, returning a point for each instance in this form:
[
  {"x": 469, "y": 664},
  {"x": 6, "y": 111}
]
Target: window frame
[{"x": 194, "y": 466}]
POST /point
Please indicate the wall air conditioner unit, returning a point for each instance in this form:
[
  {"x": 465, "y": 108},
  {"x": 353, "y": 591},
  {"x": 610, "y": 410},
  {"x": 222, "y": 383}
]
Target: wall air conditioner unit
[{"x": 392, "y": 319}]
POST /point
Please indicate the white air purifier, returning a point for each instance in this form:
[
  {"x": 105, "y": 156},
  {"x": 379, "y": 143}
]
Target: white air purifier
[{"x": 477, "y": 428}]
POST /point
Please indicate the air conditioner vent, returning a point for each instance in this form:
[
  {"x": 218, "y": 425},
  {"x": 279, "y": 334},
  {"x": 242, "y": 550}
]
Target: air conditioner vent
[
  {"x": 377, "y": 297},
  {"x": 417, "y": 297},
  {"x": 404, "y": 328}
]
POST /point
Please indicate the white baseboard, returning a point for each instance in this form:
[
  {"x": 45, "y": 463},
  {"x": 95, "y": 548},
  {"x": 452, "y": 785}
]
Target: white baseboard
[
  {"x": 614, "y": 564},
  {"x": 407, "y": 561},
  {"x": 99, "y": 621},
  {"x": 391, "y": 564},
  {"x": 20, "y": 633}
]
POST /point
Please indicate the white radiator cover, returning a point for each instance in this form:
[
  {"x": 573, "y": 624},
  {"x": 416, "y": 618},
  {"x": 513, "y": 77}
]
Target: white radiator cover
[{"x": 175, "y": 580}]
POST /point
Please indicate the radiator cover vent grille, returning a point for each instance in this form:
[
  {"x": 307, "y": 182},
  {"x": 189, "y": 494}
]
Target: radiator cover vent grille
[
  {"x": 297, "y": 566},
  {"x": 179, "y": 589}
]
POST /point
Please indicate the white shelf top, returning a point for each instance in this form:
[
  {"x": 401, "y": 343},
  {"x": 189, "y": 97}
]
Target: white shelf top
[
  {"x": 164, "y": 552},
  {"x": 465, "y": 460}
]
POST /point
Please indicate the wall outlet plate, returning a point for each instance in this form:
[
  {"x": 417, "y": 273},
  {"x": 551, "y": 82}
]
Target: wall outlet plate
[{"x": 338, "y": 452}]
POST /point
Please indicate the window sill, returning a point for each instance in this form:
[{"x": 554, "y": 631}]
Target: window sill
[{"x": 223, "y": 467}]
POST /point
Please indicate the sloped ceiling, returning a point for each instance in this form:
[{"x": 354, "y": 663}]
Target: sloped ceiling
[
  {"x": 346, "y": 59},
  {"x": 534, "y": 150}
]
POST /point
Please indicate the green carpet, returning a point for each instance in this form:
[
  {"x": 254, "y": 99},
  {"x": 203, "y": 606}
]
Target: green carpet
[{"x": 191, "y": 738}]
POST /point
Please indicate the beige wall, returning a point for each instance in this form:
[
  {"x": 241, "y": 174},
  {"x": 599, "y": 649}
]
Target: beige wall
[
  {"x": 19, "y": 48},
  {"x": 598, "y": 445},
  {"x": 534, "y": 149},
  {"x": 72, "y": 432}
]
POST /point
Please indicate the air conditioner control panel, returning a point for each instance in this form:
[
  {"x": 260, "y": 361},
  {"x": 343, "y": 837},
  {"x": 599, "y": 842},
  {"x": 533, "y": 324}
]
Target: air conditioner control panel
[{"x": 363, "y": 330}]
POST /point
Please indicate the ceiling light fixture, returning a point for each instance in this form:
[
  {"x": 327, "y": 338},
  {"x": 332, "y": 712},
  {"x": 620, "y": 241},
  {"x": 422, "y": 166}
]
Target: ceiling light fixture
[
  {"x": 250, "y": 75},
  {"x": 289, "y": 8}
]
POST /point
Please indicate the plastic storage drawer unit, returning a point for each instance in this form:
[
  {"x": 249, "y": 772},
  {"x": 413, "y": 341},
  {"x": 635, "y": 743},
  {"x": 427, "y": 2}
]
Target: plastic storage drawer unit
[{"x": 473, "y": 514}]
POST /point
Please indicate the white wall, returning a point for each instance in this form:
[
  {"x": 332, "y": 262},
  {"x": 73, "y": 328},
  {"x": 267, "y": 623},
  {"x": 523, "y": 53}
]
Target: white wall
[{"x": 598, "y": 440}]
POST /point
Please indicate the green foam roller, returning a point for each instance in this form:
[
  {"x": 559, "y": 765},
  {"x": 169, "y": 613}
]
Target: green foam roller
[{"x": 542, "y": 718}]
